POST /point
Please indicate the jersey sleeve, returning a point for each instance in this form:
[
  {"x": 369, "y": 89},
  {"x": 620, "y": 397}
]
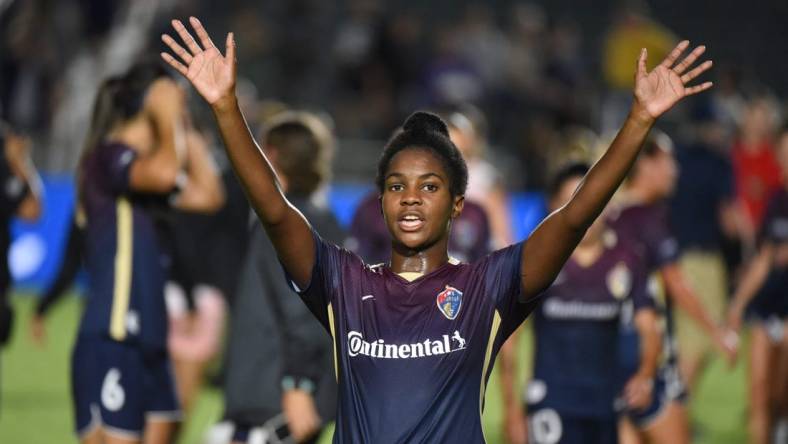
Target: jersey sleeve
[
  {"x": 116, "y": 161},
  {"x": 330, "y": 263},
  {"x": 502, "y": 283},
  {"x": 641, "y": 295},
  {"x": 662, "y": 246}
]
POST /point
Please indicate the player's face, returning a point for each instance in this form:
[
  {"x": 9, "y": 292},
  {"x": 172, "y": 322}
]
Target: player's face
[
  {"x": 667, "y": 172},
  {"x": 417, "y": 201}
]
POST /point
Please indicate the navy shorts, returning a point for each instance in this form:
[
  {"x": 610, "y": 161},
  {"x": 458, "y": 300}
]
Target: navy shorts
[
  {"x": 549, "y": 426},
  {"x": 117, "y": 387},
  {"x": 668, "y": 387},
  {"x": 771, "y": 302}
]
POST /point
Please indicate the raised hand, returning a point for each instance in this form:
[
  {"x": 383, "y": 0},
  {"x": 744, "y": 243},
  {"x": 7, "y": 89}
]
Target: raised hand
[
  {"x": 212, "y": 74},
  {"x": 657, "y": 91}
]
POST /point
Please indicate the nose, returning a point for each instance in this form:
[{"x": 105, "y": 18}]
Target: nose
[{"x": 411, "y": 197}]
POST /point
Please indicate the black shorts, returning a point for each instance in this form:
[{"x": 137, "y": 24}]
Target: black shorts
[
  {"x": 117, "y": 387},
  {"x": 549, "y": 426}
]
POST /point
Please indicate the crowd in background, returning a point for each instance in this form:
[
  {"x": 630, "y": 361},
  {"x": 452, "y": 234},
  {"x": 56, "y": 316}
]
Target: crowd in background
[{"x": 533, "y": 94}]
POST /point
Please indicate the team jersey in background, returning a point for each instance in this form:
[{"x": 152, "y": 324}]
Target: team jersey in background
[
  {"x": 413, "y": 357},
  {"x": 576, "y": 331},
  {"x": 122, "y": 256},
  {"x": 644, "y": 227}
]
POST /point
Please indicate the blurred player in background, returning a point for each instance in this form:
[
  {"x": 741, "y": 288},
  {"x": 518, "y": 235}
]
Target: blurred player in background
[
  {"x": 600, "y": 291},
  {"x": 19, "y": 197},
  {"x": 471, "y": 236},
  {"x": 764, "y": 286},
  {"x": 640, "y": 220},
  {"x": 467, "y": 127},
  {"x": 422, "y": 321},
  {"x": 195, "y": 304},
  {"x": 279, "y": 384},
  {"x": 706, "y": 219},
  {"x": 70, "y": 264},
  {"x": 135, "y": 165},
  {"x": 20, "y": 189}
]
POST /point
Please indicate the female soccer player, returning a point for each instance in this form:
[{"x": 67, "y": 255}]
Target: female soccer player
[
  {"x": 414, "y": 338},
  {"x": 640, "y": 220},
  {"x": 600, "y": 291},
  {"x": 121, "y": 381},
  {"x": 767, "y": 277}
]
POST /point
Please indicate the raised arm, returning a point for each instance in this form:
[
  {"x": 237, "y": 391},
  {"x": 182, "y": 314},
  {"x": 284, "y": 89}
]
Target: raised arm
[
  {"x": 655, "y": 92},
  {"x": 213, "y": 75}
]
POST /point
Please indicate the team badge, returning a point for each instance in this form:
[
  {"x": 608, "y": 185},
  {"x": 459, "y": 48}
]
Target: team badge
[
  {"x": 449, "y": 302},
  {"x": 619, "y": 281}
]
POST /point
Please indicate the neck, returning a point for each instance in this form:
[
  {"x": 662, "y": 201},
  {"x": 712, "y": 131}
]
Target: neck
[
  {"x": 404, "y": 260},
  {"x": 588, "y": 251},
  {"x": 639, "y": 192}
]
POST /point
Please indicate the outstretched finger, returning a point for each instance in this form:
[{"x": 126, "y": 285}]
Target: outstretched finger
[
  {"x": 698, "y": 70},
  {"x": 177, "y": 49},
  {"x": 674, "y": 55},
  {"x": 186, "y": 37},
  {"x": 202, "y": 34},
  {"x": 229, "y": 53},
  {"x": 180, "y": 67},
  {"x": 696, "y": 89},
  {"x": 641, "y": 68},
  {"x": 689, "y": 60}
]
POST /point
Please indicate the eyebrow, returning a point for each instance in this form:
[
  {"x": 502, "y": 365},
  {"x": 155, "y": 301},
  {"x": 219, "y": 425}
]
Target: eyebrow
[{"x": 422, "y": 177}]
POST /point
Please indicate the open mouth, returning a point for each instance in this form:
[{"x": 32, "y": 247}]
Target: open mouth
[{"x": 410, "y": 222}]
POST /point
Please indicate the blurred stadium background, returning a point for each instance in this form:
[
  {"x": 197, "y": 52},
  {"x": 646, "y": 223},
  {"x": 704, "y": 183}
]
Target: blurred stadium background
[{"x": 552, "y": 78}]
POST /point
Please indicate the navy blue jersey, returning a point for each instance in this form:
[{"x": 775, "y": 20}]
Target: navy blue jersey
[
  {"x": 645, "y": 228},
  {"x": 413, "y": 357},
  {"x": 576, "y": 330},
  {"x": 122, "y": 256}
]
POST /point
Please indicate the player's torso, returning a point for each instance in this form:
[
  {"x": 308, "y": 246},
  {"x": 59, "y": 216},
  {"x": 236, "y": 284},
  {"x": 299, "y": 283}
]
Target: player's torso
[
  {"x": 412, "y": 355},
  {"x": 576, "y": 330},
  {"x": 123, "y": 261}
]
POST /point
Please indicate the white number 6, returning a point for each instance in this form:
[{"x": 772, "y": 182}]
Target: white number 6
[{"x": 112, "y": 394}]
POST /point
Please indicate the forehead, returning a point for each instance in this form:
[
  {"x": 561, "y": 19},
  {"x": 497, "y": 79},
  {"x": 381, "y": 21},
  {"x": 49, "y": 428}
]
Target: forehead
[{"x": 416, "y": 161}]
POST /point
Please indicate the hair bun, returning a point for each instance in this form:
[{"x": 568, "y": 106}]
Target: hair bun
[{"x": 421, "y": 121}]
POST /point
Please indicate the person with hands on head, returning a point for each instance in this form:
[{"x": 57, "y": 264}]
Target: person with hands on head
[
  {"x": 420, "y": 320},
  {"x": 130, "y": 173},
  {"x": 601, "y": 290},
  {"x": 764, "y": 289}
]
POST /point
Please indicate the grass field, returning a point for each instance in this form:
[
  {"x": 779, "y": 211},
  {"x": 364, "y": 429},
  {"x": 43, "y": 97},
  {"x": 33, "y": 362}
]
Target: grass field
[{"x": 35, "y": 404}]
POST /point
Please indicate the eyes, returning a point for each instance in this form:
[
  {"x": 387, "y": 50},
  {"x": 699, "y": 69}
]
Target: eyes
[{"x": 428, "y": 187}]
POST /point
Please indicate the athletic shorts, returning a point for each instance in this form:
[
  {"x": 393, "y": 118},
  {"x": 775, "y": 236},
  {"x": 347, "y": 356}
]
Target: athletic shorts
[
  {"x": 117, "y": 387},
  {"x": 771, "y": 302},
  {"x": 668, "y": 387},
  {"x": 549, "y": 426}
]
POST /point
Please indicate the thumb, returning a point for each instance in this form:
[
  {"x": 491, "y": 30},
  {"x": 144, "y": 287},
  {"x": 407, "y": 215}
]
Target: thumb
[{"x": 641, "y": 64}]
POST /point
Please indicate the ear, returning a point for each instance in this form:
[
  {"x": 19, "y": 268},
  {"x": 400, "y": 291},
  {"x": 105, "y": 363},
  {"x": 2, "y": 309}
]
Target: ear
[
  {"x": 380, "y": 204},
  {"x": 459, "y": 203}
]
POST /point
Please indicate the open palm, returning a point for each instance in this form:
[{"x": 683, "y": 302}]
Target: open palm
[
  {"x": 212, "y": 74},
  {"x": 657, "y": 91}
]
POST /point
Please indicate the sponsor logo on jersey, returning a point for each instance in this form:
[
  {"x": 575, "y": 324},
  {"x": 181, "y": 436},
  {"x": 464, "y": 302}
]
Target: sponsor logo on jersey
[
  {"x": 449, "y": 302},
  {"x": 357, "y": 345},
  {"x": 619, "y": 281}
]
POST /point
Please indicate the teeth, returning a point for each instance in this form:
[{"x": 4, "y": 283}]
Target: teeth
[{"x": 411, "y": 218}]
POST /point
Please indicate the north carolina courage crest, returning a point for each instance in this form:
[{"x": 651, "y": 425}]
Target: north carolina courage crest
[{"x": 449, "y": 302}]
